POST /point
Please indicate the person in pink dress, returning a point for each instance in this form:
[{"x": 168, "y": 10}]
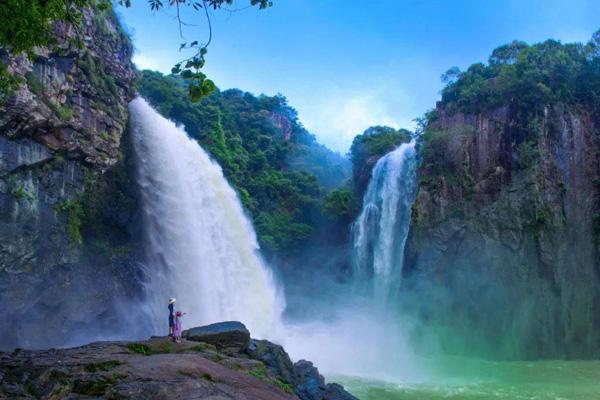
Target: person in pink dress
[{"x": 178, "y": 327}]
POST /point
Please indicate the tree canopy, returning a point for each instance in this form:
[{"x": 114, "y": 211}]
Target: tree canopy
[{"x": 529, "y": 77}]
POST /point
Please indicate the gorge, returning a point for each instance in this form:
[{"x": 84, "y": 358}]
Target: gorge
[{"x": 457, "y": 261}]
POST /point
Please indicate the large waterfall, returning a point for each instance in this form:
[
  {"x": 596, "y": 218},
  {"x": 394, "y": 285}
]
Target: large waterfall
[
  {"x": 201, "y": 248},
  {"x": 381, "y": 229}
]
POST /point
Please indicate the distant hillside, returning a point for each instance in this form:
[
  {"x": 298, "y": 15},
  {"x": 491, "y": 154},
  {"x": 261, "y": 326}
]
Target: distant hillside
[{"x": 277, "y": 166}]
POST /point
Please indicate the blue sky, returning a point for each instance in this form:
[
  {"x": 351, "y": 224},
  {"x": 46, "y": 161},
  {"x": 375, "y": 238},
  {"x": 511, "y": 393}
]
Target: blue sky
[{"x": 348, "y": 64}]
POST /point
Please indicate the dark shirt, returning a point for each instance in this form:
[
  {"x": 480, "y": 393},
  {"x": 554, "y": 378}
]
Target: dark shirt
[{"x": 171, "y": 318}]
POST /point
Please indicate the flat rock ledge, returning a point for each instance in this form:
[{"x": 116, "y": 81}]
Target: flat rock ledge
[{"x": 161, "y": 369}]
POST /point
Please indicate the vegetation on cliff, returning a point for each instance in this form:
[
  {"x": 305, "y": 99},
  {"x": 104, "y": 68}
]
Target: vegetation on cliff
[
  {"x": 529, "y": 81},
  {"x": 376, "y": 141},
  {"x": 27, "y": 24},
  {"x": 369, "y": 147},
  {"x": 277, "y": 167},
  {"x": 529, "y": 76}
]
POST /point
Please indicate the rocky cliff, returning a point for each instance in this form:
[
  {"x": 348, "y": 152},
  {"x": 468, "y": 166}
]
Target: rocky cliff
[
  {"x": 502, "y": 253},
  {"x": 64, "y": 184}
]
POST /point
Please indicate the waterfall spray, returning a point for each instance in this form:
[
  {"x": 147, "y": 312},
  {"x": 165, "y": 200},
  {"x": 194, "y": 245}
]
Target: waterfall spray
[{"x": 201, "y": 248}]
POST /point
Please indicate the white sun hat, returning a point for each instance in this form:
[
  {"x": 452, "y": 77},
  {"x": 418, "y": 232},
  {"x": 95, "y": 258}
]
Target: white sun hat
[{"x": 171, "y": 300}]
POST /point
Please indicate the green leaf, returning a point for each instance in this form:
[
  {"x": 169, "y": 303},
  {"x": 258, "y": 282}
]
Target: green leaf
[
  {"x": 195, "y": 92},
  {"x": 187, "y": 74},
  {"x": 208, "y": 87},
  {"x": 176, "y": 69}
]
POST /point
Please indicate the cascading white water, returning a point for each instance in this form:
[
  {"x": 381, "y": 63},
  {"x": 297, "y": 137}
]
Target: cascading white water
[
  {"x": 381, "y": 229},
  {"x": 201, "y": 248}
]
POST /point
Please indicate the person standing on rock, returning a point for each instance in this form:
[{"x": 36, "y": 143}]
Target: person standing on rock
[
  {"x": 178, "y": 327},
  {"x": 171, "y": 316}
]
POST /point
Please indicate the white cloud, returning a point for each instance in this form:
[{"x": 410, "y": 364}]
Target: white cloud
[
  {"x": 336, "y": 115},
  {"x": 152, "y": 63}
]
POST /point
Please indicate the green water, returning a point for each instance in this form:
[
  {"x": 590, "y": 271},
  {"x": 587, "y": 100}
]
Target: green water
[{"x": 460, "y": 379}]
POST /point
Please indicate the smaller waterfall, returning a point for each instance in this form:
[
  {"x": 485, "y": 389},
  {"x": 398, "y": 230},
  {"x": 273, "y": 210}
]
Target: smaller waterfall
[
  {"x": 201, "y": 248},
  {"x": 381, "y": 229}
]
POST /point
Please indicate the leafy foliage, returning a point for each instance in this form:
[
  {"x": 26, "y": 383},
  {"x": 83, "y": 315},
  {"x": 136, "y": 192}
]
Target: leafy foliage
[
  {"x": 75, "y": 214},
  {"x": 376, "y": 141},
  {"x": 341, "y": 204},
  {"x": 26, "y": 24},
  {"x": 528, "y": 78},
  {"x": 253, "y": 138}
]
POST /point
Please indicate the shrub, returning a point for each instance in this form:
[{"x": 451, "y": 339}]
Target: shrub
[
  {"x": 75, "y": 215},
  {"x": 140, "y": 348}
]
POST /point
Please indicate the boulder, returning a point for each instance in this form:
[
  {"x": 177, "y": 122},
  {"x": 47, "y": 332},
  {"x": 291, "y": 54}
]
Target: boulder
[
  {"x": 303, "y": 376},
  {"x": 307, "y": 382},
  {"x": 274, "y": 357},
  {"x": 231, "y": 335},
  {"x": 334, "y": 391}
]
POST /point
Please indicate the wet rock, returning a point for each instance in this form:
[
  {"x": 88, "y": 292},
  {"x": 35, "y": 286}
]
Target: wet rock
[
  {"x": 308, "y": 383},
  {"x": 274, "y": 357},
  {"x": 334, "y": 391}
]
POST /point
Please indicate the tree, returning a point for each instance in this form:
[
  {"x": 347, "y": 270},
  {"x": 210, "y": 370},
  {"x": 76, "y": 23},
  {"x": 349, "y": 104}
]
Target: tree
[
  {"x": 529, "y": 77},
  {"x": 593, "y": 46},
  {"x": 341, "y": 204},
  {"x": 451, "y": 75},
  {"x": 507, "y": 54}
]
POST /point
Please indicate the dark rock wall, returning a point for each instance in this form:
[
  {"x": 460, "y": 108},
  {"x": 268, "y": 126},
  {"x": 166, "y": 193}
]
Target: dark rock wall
[
  {"x": 502, "y": 255},
  {"x": 61, "y": 148}
]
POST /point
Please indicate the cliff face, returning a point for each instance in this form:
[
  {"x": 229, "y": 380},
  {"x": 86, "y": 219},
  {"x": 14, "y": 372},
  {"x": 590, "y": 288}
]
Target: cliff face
[
  {"x": 60, "y": 148},
  {"x": 503, "y": 253}
]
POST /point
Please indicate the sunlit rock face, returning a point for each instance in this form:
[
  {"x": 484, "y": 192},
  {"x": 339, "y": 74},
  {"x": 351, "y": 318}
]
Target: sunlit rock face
[
  {"x": 59, "y": 133},
  {"x": 502, "y": 256}
]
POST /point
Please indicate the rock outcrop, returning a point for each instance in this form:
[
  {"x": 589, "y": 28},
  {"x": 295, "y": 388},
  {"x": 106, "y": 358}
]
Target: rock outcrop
[
  {"x": 161, "y": 369},
  {"x": 503, "y": 247},
  {"x": 302, "y": 376},
  {"x": 61, "y": 151},
  {"x": 230, "y": 335}
]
